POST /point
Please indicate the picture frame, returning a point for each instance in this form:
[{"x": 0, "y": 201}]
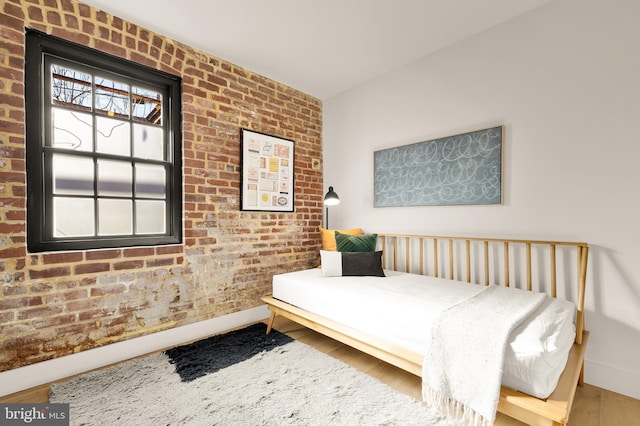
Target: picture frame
[
  {"x": 267, "y": 171},
  {"x": 463, "y": 169}
]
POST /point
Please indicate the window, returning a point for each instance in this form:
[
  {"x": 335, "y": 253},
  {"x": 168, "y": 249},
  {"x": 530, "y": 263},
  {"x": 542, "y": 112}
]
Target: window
[{"x": 103, "y": 150}]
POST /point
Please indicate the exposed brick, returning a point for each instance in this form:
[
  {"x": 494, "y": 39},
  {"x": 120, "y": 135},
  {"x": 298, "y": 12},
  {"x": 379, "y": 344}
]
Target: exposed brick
[
  {"x": 12, "y": 303},
  {"x": 111, "y": 48},
  {"x": 91, "y": 314},
  {"x": 13, "y": 290},
  {"x": 138, "y": 252},
  {"x": 131, "y": 264},
  {"x": 88, "y": 281},
  {"x": 103, "y": 33},
  {"x": 81, "y": 305},
  {"x": 6, "y": 318},
  {"x": 66, "y": 296},
  {"x": 82, "y": 329},
  {"x": 84, "y": 10},
  {"x": 10, "y": 21},
  {"x": 13, "y": 10},
  {"x": 39, "y": 312},
  {"x": 14, "y": 252},
  {"x": 116, "y": 38},
  {"x": 11, "y": 100},
  {"x": 169, "y": 249},
  {"x": 142, "y": 59},
  {"x": 53, "y": 321},
  {"x": 35, "y": 14},
  {"x": 88, "y": 27},
  {"x": 103, "y": 254},
  {"x": 154, "y": 263},
  {"x": 27, "y": 351},
  {"x": 102, "y": 16},
  {"x": 113, "y": 289},
  {"x": 54, "y": 18},
  {"x": 66, "y": 257},
  {"x": 129, "y": 42},
  {"x": 91, "y": 268},
  {"x": 49, "y": 273},
  {"x": 79, "y": 300},
  {"x": 71, "y": 22},
  {"x": 41, "y": 287},
  {"x": 67, "y": 5}
]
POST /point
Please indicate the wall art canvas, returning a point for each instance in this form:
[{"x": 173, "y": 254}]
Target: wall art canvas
[
  {"x": 464, "y": 169},
  {"x": 267, "y": 172}
]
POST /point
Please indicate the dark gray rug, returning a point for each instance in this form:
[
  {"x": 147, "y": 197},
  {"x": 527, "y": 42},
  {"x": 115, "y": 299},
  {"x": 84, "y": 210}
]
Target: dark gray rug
[{"x": 244, "y": 377}]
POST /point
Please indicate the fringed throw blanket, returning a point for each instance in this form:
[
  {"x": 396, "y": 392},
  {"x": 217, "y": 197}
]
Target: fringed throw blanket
[{"x": 462, "y": 369}]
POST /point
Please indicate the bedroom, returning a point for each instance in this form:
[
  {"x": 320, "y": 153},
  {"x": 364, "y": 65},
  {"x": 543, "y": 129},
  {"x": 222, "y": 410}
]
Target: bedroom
[{"x": 569, "y": 174}]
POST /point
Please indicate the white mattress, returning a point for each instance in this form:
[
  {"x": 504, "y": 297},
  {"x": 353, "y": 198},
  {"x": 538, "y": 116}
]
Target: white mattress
[{"x": 400, "y": 308}]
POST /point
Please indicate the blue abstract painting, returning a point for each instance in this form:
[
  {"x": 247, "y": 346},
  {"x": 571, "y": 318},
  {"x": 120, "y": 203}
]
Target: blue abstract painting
[{"x": 463, "y": 169}]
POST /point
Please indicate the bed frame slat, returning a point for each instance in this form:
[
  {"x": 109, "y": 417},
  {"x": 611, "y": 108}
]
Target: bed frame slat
[
  {"x": 407, "y": 262},
  {"x": 583, "y": 252},
  {"x": 467, "y": 245},
  {"x": 422, "y": 272},
  {"x": 554, "y": 277},
  {"x": 435, "y": 258},
  {"x": 486, "y": 262},
  {"x": 529, "y": 285},
  {"x": 510, "y": 259},
  {"x": 506, "y": 264},
  {"x": 451, "y": 274}
]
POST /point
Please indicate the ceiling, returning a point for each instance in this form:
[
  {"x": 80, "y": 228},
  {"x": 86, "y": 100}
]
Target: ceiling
[{"x": 321, "y": 47}]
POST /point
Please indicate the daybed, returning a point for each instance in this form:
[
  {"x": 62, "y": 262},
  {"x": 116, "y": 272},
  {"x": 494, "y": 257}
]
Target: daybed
[{"x": 556, "y": 268}]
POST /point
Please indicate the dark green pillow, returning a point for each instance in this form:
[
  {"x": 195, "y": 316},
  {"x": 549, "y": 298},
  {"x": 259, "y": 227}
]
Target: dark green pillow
[
  {"x": 362, "y": 264},
  {"x": 366, "y": 242}
]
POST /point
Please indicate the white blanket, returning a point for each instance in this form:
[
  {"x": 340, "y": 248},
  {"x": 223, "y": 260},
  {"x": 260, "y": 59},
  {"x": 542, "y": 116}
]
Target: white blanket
[{"x": 462, "y": 370}]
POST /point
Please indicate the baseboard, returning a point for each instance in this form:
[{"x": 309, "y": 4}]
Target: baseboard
[
  {"x": 612, "y": 378},
  {"x": 49, "y": 371}
]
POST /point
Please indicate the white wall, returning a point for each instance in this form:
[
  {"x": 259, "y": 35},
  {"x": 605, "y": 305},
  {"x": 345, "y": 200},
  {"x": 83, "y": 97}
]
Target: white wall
[{"x": 564, "y": 81}]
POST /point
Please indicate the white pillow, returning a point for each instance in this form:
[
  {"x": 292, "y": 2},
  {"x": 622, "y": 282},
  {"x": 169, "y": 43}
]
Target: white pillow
[{"x": 331, "y": 263}]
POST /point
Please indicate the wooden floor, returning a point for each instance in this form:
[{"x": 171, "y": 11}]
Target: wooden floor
[{"x": 592, "y": 406}]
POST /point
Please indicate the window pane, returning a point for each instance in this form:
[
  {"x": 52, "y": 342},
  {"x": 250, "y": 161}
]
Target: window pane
[
  {"x": 102, "y": 139},
  {"x": 114, "y": 178},
  {"x": 148, "y": 142},
  {"x": 73, "y": 217},
  {"x": 113, "y": 136},
  {"x": 72, "y": 175},
  {"x": 72, "y": 129},
  {"x": 112, "y": 98},
  {"x": 70, "y": 88},
  {"x": 150, "y": 181},
  {"x": 147, "y": 105},
  {"x": 115, "y": 217},
  {"x": 150, "y": 217}
]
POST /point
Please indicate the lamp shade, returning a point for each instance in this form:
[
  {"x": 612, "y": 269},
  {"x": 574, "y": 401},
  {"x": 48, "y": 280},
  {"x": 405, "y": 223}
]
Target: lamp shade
[{"x": 331, "y": 198}]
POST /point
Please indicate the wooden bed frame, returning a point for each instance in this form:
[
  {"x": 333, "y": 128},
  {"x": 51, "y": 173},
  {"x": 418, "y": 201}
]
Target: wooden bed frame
[{"x": 508, "y": 262}]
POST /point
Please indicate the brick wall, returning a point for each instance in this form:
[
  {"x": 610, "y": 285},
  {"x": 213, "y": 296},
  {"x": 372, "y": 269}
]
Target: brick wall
[{"x": 54, "y": 304}]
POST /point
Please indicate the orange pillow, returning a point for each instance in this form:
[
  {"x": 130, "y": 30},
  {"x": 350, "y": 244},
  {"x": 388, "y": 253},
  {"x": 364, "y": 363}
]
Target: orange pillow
[{"x": 329, "y": 236}]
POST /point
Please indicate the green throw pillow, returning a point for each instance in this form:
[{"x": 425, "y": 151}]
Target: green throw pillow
[{"x": 366, "y": 242}]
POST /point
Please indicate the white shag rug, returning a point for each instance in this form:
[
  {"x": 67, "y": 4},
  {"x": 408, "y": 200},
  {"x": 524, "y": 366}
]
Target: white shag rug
[{"x": 240, "y": 378}]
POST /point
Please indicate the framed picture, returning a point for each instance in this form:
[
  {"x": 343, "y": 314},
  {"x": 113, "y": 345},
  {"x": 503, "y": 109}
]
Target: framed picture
[
  {"x": 463, "y": 169},
  {"x": 267, "y": 172}
]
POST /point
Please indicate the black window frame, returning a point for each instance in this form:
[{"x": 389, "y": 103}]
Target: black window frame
[{"x": 40, "y": 46}]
